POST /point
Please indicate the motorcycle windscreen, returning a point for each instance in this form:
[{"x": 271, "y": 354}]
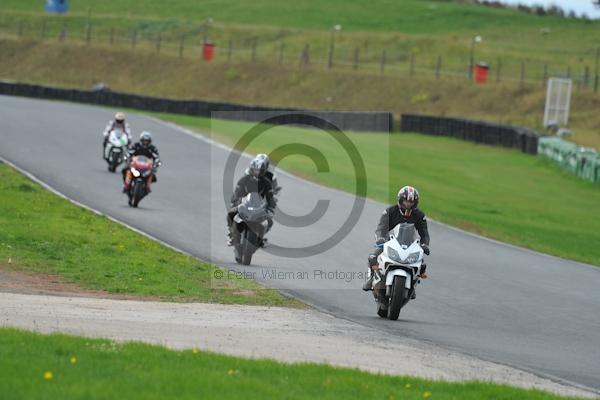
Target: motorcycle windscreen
[
  {"x": 252, "y": 207},
  {"x": 116, "y": 134},
  {"x": 405, "y": 234},
  {"x": 252, "y": 199},
  {"x": 141, "y": 162}
]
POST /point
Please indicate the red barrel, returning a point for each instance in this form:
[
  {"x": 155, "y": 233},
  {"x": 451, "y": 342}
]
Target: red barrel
[
  {"x": 208, "y": 51},
  {"x": 481, "y": 73}
]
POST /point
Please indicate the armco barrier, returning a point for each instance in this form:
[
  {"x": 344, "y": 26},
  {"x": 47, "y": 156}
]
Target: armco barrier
[
  {"x": 344, "y": 120},
  {"x": 523, "y": 139}
]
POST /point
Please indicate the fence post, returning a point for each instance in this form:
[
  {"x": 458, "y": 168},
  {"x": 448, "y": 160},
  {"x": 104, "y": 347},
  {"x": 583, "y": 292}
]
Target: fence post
[
  {"x": 281, "y": 49},
  {"x": 229, "y": 50},
  {"x": 438, "y": 67},
  {"x": 158, "y": 40},
  {"x": 522, "y": 73},
  {"x": 356, "y": 57},
  {"x": 498, "y": 69},
  {"x": 596, "y": 70},
  {"x": 112, "y": 35},
  {"x": 254, "y": 49},
  {"x": 545, "y": 76},
  {"x": 412, "y": 63},
  {"x": 88, "y": 33},
  {"x": 62, "y": 34},
  {"x": 20, "y": 28},
  {"x": 330, "y": 52},
  {"x": 133, "y": 39},
  {"x": 304, "y": 56},
  {"x": 383, "y": 60},
  {"x": 586, "y": 77},
  {"x": 181, "y": 42},
  {"x": 43, "y": 33}
]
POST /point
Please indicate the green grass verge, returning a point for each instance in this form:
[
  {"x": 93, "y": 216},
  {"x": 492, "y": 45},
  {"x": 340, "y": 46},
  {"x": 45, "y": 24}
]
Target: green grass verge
[
  {"x": 64, "y": 367},
  {"x": 495, "y": 192},
  {"x": 41, "y": 232}
]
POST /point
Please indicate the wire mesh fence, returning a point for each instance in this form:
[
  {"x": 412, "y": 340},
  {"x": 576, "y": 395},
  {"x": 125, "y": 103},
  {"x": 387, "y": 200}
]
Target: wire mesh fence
[{"x": 277, "y": 48}]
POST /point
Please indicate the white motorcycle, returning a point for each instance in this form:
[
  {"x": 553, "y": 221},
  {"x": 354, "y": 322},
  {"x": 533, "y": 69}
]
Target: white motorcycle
[
  {"x": 400, "y": 263},
  {"x": 115, "y": 151}
]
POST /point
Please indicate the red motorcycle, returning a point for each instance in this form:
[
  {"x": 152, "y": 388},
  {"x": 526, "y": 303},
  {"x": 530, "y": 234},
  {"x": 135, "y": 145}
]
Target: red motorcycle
[{"x": 142, "y": 171}]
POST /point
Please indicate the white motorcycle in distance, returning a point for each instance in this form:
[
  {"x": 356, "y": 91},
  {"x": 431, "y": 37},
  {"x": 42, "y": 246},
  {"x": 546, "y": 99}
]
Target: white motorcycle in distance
[
  {"x": 400, "y": 266},
  {"x": 115, "y": 151}
]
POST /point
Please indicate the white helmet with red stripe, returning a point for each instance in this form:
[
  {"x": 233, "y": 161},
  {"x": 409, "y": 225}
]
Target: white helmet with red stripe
[{"x": 410, "y": 195}]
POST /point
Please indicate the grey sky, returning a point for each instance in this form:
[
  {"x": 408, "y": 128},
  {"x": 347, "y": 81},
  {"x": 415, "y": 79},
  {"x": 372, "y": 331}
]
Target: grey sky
[{"x": 579, "y": 6}]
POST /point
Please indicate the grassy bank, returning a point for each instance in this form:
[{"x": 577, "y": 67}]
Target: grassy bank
[
  {"x": 262, "y": 83},
  {"x": 496, "y": 192},
  {"x": 65, "y": 367},
  {"x": 428, "y": 28},
  {"x": 41, "y": 232}
]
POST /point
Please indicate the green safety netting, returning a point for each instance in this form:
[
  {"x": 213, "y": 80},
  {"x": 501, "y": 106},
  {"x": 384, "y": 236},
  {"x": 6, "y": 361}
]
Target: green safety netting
[{"x": 581, "y": 161}]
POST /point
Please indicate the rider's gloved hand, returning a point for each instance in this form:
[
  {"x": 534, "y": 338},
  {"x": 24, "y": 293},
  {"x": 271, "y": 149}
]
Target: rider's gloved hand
[{"x": 425, "y": 248}]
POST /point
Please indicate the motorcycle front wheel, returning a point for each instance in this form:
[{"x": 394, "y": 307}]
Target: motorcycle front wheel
[
  {"x": 249, "y": 246},
  {"x": 114, "y": 163},
  {"x": 136, "y": 196},
  {"x": 397, "y": 300}
]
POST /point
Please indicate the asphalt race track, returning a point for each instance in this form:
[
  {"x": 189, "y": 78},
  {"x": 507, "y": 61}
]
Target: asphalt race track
[{"x": 494, "y": 301}]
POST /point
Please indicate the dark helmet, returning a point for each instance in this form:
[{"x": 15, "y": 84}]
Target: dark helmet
[
  {"x": 258, "y": 166},
  {"x": 410, "y": 195},
  {"x": 146, "y": 138}
]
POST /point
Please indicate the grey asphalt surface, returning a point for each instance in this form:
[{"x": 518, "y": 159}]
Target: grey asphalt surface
[{"x": 487, "y": 299}]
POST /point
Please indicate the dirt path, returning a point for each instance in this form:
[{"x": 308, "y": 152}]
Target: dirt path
[
  {"x": 287, "y": 335},
  {"x": 14, "y": 281}
]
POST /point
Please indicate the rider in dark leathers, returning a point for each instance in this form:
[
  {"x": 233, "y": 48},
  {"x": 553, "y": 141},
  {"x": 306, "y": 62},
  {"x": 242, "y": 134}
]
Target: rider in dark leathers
[
  {"x": 404, "y": 211},
  {"x": 142, "y": 148},
  {"x": 254, "y": 180}
]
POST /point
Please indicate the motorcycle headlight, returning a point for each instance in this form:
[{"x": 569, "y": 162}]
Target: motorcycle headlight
[
  {"x": 412, "y": 258},
  {"x": 135, "y": 172},
  {"x": 393, "y": 254}
]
